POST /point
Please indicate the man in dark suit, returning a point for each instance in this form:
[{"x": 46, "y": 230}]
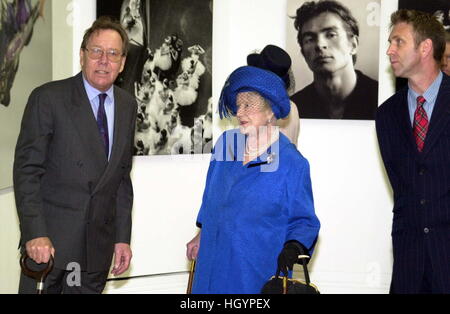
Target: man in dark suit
[
  {"x": 72, "y": 169},
  {"x": 413, "y": 128}
]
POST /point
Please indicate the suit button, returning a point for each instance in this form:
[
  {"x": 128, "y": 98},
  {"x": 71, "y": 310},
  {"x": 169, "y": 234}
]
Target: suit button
[
  {"x": 426, "y": 230},
  {"x": 423, "y": 202}
]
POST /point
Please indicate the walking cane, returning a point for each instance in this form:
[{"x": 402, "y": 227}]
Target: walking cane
[
  {"x": 39, "y": 275},
  {"x": 191, "y": 277}
]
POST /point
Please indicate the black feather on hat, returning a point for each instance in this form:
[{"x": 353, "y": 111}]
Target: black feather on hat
[{"x": 274, "y": 59}]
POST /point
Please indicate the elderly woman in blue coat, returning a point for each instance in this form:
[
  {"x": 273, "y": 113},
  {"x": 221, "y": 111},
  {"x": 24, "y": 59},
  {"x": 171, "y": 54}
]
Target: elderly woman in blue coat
[{"x": 257, "y": 213}]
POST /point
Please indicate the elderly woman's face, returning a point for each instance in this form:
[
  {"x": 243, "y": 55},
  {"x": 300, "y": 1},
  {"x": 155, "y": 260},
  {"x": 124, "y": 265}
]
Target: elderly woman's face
[{"x": 252, "y": 112}]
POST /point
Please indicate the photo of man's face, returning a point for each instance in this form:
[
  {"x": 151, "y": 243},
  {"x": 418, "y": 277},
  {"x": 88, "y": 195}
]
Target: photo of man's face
[
  {"x": 326, "y": 45},
  {"x": 334, "y": 50}
]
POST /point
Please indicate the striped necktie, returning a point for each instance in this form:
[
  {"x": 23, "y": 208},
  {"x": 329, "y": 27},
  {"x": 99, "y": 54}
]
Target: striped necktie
[
  {"x": 102, "y": 122},
  {"x": 420, "y": 126}
]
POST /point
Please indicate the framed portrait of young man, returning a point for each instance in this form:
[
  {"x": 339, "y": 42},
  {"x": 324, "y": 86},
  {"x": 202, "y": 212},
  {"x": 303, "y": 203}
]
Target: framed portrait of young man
[{"x": 334, "y": 49}]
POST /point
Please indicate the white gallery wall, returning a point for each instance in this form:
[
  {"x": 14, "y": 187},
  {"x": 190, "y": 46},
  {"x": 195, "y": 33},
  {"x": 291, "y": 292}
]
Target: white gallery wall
[{"x": 351, "y": 193}]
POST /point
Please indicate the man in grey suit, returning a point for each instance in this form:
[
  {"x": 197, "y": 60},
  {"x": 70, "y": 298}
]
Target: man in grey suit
[{"x": 72, "y": 169}]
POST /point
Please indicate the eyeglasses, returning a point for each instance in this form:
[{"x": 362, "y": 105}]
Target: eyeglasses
[{"x": 97, "y": 53}]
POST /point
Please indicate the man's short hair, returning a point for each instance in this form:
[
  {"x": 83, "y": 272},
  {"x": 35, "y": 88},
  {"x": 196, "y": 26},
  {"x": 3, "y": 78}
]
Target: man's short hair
[
  {"x": 312, "y": 9},
  {"x": 447, "y": 36},
  {"x": 106, "y": 23},
  {"x": 424, "y": 26}
]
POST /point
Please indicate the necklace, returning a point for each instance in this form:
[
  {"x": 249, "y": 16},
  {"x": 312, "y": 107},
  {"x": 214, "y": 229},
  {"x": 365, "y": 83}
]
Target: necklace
[
  {"x": 255, "y": 151},
  {"x": 260, "y": 149}
]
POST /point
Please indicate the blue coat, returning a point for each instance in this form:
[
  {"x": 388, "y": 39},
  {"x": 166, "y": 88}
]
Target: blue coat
[
  {"x": 249, "y": 212},
  {"x": 421, "y": 186}
]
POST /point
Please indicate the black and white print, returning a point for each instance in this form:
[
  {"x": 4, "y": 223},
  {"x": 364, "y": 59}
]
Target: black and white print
[
  {"x": 327, "y": 85},
  {"x": 439, "y": 8},
  {"x": 168, "y": 69},
  {"x": 25, "y": 63}
]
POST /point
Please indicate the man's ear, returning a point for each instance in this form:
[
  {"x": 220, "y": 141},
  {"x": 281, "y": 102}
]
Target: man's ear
[
  {"x": 354, "y": 41},
  {"x": 426, "y": 47},
  {"x": 82, "y": 57},
  {"x": 122, "y": 65}
]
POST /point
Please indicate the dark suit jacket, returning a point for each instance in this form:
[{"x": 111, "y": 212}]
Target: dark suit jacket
[
  {"x": 421, "y": 186},
  {"x": 64, "y": 186}
]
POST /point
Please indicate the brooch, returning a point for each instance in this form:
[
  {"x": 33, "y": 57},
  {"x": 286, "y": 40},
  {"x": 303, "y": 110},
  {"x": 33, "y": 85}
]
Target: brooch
[{"x": 270, "y": 158}]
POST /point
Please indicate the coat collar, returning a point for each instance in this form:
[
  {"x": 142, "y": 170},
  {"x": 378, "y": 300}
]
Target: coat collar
[
  {"x": 402, "y": 116},
  {"x": 86, "y": 125},
  {"x": 121, "y": 132},
  {"x": 234, "y": 145},
  {"x": 439, "y": 118}
]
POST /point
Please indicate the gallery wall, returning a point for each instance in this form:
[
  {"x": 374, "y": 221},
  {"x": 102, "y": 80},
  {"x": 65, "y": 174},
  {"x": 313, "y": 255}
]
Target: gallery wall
[
  {"x": 352, "y": 196},
  {"x": 351, "y": 193}
]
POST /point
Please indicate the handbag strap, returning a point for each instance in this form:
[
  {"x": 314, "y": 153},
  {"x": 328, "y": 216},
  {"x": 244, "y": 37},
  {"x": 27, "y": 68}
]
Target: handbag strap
[
  {"x": 285, "y": 285},
  {"x": 302, "y": 258},
  {"x": 305, "y": 268}
]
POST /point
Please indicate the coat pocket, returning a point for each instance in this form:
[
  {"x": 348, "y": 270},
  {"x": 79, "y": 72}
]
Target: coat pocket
[{"x": 56, "y": 208}]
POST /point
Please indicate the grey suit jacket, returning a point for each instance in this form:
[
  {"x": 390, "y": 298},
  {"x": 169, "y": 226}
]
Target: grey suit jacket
[{"x": 65, "y": 188}]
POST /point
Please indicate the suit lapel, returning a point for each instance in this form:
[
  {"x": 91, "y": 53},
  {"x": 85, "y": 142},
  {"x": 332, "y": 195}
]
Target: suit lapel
[
  {"x": 81, "y": 113},
  {"x": 121, "y": 131},
  {"x": 440, "y": 116},
  {"x": 403, "y": 119},
  {"x": 121, "y": 128}
]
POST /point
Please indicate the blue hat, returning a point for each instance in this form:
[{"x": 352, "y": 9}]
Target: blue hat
[{"x": 252, "y": 79}]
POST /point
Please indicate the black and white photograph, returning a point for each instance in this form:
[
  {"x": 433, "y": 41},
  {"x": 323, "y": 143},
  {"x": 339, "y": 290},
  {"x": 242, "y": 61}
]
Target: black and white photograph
[
  {"x": 25, "y": 36},
  {"x": 334, "y": 46},
  {"x": 169, "y": 71},
  {"x": 17, "y": 21},
  {"x": 441, "y": 10}
]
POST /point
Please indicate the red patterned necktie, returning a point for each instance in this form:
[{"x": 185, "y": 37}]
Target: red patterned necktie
[{"x": 420, "y": 126}]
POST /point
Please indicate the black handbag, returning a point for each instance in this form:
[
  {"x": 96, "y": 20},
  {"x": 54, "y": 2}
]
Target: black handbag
[{"x": 285, "y": 285}]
